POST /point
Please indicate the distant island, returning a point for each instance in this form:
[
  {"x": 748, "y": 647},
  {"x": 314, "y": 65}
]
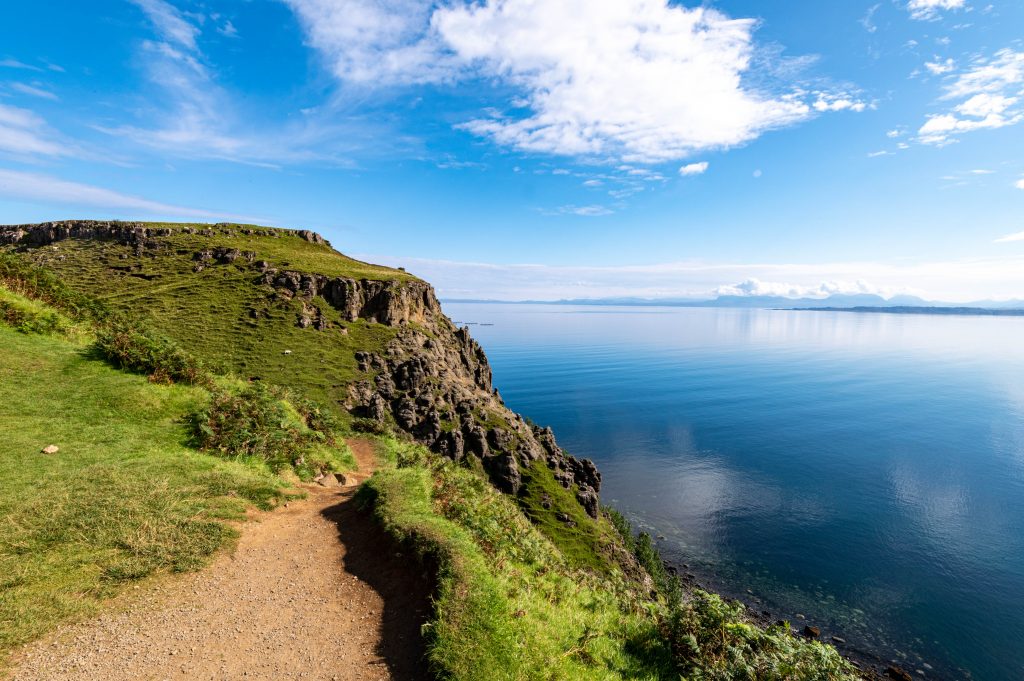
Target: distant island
[{"x": 904, "y": 309}]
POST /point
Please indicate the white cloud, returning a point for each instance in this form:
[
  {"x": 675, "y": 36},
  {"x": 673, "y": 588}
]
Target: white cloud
[
  {"x": 937, "y": 68},
  {"x": 637, "y": 80},
  {"x": 837, "y": 102},
  {"x": 23, "y": 133},
  {"x": 169, "y": 22},
  {"x": 375, "y": 42},
  {"x": 876, "y": 154},
  {"x": 756, "y": 287},
  {"x": 1019, "y": 184},
  {"x": 931, "y": 9},
  {"x": 22, "y": 186},
  {"x": 893, "y": 134},
  {"x": 991, "y": 90},
  {"x": 981, "y": 171},
  {"x": 694, "y": 168},
  {"x": 1019, "y": 236}
]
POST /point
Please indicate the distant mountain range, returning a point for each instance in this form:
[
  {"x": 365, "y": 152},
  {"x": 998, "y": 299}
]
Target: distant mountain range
[{"x": 839, "y": 301}]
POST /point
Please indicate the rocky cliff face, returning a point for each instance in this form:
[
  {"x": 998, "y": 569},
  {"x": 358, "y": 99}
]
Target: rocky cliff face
[{"x": 432, "y": 381}]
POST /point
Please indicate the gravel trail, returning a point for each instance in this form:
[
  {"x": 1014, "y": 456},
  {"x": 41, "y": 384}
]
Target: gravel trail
[{"x": 313, "y": 591}]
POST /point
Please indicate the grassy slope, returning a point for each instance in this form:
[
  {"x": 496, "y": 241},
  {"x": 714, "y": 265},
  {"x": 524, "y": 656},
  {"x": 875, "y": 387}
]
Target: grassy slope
[
  {"x": 123, "y": 498},
  {"x": 509, "y": 605},
  {"x": 210, "y": 312}
]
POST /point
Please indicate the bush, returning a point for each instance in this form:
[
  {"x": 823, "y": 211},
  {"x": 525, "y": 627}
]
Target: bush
[
  {"x": 29, "y": 316},
  {"x": 369, "y": 426},
  {"x": 260, "y": 422},
  {"x": 130, "y": 346},
  {"x": 38, "y": 283},
  {"x": 710, "y": 640}
]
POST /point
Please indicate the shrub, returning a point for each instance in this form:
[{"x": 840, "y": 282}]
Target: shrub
[
  {"x": 369, "y": 426},
  {"x": 130, "y": 346},
  {"x": 29, "y": 316},
  {"x": 260, "y": 422},
  {"x": 38, "y": 283},
  {"x": 710, "y": 639}
]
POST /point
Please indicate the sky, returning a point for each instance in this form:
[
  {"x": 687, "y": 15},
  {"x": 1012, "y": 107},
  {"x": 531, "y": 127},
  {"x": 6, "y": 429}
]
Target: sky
[{"x": 544, "y": 149}]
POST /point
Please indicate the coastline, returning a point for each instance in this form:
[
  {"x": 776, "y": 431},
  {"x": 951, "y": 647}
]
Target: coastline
[{"x": 873, "y": 663}]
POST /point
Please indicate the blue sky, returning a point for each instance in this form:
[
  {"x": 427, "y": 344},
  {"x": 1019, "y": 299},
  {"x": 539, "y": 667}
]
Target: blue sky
[{"x": 544, "y": 149}]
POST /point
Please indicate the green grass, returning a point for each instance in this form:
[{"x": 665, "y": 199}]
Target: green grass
[
  {"x": 589, "y": 543},
  {"x": 123, "y": 498},
  {"x": 285, "y": 251},
  {"x": 211, "y": 313}
]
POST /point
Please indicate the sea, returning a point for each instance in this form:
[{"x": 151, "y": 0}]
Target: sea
[{"x": 858, "y": 472}]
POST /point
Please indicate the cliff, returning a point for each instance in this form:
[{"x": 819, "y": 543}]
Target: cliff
[{"x": 418, "y": 373}]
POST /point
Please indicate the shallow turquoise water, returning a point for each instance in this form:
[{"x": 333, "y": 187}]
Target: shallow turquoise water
[{"x": 863, "y": 470}]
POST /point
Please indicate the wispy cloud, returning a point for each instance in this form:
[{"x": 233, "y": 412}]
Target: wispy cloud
[
  {"x": 33, "y": 91},
  {"x": 191, "y": 115},
  {"x": 1019, "y": 184},
  {"x": 1018, "y": 236},
  {"x": 588, "y": 77},
  {"x": 990, "y": 93},
  {"x": 591, "y": 211},
  {"x": 25, "y": 134},
  {"x": 32, "y": 187},
  {"x": 15, "y": 64},
  {"x": 169, "y": 23}
]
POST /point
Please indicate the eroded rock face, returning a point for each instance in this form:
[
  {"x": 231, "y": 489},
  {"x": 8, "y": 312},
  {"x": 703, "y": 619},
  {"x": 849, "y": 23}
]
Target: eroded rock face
[
  {"x": 387, "y": 302},
  {"x": 438, "y": 389}
]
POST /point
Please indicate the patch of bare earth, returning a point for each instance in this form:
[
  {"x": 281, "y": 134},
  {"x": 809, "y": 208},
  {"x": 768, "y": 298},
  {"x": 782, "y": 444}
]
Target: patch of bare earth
[{"x": 314, "y": 591}]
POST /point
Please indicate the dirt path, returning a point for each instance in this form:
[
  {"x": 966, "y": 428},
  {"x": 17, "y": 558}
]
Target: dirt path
[{"x": 314, "y": 591}]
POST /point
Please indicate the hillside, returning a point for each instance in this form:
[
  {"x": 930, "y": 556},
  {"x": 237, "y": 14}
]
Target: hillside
[{"x": 533, "y": 578}]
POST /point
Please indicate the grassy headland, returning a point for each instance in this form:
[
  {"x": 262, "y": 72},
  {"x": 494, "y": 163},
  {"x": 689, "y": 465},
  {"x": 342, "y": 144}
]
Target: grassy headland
[{"x": 529, "y": 586}]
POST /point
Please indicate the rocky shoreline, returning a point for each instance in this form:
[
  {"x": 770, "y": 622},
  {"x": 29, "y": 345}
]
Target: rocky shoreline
[{"x": 874, "y": 664}]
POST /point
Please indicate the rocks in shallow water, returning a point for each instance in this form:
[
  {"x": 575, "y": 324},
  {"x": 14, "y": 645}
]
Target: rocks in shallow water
[
  {"x": 812, "y": 632},
  {"x": 898, "y": 673}
]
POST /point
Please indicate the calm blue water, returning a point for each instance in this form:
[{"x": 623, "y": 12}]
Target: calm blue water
[{"x": 866, "y": 471}]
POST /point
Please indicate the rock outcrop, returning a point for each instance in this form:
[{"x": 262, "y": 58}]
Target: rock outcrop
[{"x": 388, "y": 302}]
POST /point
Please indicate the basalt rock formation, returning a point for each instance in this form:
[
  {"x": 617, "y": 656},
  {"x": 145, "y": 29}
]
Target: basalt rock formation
[{"x": 432, "y": 380}]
